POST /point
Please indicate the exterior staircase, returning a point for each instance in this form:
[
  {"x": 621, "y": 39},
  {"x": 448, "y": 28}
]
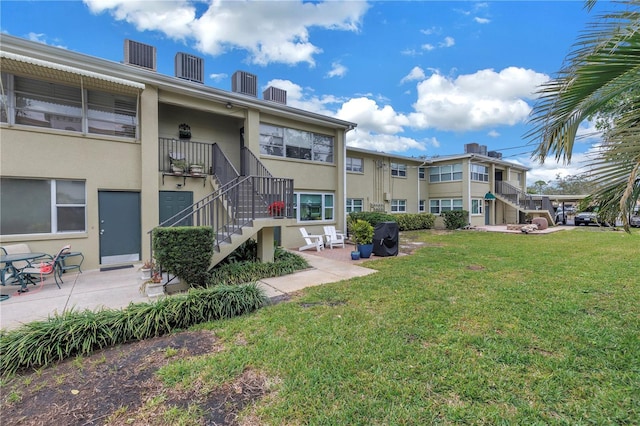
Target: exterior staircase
[
  {"x": 525, "y": 203},
  {"x": 238, "y": 207}
]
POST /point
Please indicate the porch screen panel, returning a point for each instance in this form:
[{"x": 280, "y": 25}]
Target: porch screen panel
[
  {"x": 110, "y": 114},
  {"x": 43, "y": 104}
]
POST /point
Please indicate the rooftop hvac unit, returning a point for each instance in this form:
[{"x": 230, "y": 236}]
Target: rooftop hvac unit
[
  {"x": 189, "y": 67},
  {"x": 275, "y": 95},
  {"x": 139, "y": 54},
  {"x": 495, "y": 154},
  {"x": 474, "y": 148},
  {"x": 245, "y": 83}
]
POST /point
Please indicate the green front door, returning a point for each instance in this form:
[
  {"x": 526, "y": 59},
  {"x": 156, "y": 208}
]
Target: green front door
[
  {"x": 173, "y": 202},
  {"x": 120, "y": 227}
]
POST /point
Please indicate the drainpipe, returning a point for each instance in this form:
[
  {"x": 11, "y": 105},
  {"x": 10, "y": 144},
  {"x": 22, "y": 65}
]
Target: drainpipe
[{"x": 425, "y": 177}]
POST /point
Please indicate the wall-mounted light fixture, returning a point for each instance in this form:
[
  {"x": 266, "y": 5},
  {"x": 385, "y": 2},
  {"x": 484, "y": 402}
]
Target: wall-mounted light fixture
[
  {"x": 229, "y": 105},
  {"x": 178, "y": 185}
]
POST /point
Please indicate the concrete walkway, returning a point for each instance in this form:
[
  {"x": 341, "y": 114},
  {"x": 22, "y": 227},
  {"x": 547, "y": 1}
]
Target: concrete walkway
[{"x": 118, "y": 288}]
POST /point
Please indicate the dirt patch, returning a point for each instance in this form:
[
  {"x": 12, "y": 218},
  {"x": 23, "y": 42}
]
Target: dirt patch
[{"x": 115, "y": 386}]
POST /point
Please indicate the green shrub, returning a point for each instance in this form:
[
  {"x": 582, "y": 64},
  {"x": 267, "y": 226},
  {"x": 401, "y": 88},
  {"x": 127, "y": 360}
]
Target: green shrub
[
  {"x": 247, "y": 251},
  {"x": 372, "y": 217},
  {"x": 362, "y": 232},
  {"x": 242, "y": 272},
  {"x": 41, "y": 343},
  {"x": 412, "y": 221},
  {"x": 455, "y": 219},
  {"x": 184, "y": 251}
]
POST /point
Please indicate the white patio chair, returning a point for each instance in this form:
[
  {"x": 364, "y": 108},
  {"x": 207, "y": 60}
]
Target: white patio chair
[
  {"x": 311, "y": 241},
  {"x": 334, "y": 238}
]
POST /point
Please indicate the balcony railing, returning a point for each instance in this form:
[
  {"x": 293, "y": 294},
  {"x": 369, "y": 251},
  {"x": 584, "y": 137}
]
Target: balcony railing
[
  {"x": 192, "y": 152},
  {"x": 522, "y": 199}
]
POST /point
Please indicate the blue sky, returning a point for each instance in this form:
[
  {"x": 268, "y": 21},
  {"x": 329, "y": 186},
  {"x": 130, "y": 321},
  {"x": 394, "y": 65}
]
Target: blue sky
[{"x": 421, "y": 78}]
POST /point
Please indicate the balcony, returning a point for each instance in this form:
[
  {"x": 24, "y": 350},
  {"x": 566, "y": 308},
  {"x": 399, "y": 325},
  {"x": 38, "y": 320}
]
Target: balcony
[{"x": 195, "y": 159}]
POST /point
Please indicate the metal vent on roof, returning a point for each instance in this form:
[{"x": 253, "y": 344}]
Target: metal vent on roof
[
  {"x": 275, "y": 95},
  {"x": 474, "y": 148},
  {"x": 245, "y": 83},
  {"x": 139, "y": 54},
  {"x": 189, "y": 67}
]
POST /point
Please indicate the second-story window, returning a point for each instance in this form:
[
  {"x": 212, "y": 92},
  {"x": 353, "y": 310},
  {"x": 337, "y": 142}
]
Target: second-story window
[
  {"x": 479, "y": 173},
  {"x": 292, "y": 143},
  {"x": 354, "y": 165},
  {"x": 398, "y": 169},
  {"x": 445, "y": 173}
]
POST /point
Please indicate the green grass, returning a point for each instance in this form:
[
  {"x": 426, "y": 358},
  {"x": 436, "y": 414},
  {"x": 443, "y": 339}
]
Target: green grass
[{"x": 476, "y": 328}]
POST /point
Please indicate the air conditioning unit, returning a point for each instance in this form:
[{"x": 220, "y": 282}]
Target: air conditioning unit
[
  {"x": 189, "y": 67},
  {"x": 245, "y": 83},
  {"x": 139, "y": 54},
  {"x": 275, "y": 95},
  {"x": 495, "y": 154}
]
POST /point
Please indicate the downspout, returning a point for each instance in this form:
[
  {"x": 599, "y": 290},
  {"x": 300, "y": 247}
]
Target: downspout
[
  {"x": 469, "y": 192},
  {"x": 425, "y": 176}
]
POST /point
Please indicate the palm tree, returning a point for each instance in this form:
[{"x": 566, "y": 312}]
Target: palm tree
[{"x": 599, "y": 79}]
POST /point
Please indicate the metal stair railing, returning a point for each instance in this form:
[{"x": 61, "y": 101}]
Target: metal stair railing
[{"x": 521, "y": 199}]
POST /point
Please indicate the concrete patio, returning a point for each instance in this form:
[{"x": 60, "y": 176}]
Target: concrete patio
[{"x": 118, "y": 288}]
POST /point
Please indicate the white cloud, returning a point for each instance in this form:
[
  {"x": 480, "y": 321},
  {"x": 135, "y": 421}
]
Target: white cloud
[
  {"x": 427, "y": 47},
  {"x": 475, "y": 101},
  {"x": 218, "y": 77},
  {"x": 37, "y": 37},
  {"x": 371, "y": 117},
  {"x": 360, "y": 138},
  {"x": 299, "y": 97},
  {"x": 337, "y": 70},
  {"x": 493, "y": 134},
  {"x": 270, "y": 31},
  {"x": 481, "y": 20},
  {"x": 447, "y": 42},
  {"x": 432, "y": 30},
  {"x": 416, "y": 73}
]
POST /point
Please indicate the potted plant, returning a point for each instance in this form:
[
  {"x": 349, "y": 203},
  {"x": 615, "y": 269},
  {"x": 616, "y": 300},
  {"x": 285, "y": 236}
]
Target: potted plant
[
  {"x": 178, "y": 166},
  {"x": 276, "y": 208},
  {"x": 146, "y": 269},
  {"x": 184, "y": 131},
  {"x": 196, "y": 169},
  {"x": 154, "y": 286},
  {"x": 362, "y": 233}
]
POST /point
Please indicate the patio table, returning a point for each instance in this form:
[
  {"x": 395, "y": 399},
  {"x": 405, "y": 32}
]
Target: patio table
[{"x": 8, "y": 260}]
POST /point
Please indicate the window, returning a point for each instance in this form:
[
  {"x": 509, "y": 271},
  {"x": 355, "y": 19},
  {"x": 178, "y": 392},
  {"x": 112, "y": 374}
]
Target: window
[
  {"x": 477, "y": 206},
  {"x": 398, "y": 169},
  {"x": 439, "y": 206},
  {"x": 421, "y": 206},
  {"x": 479, "y": 173},
  {"x": 445, "y": 173},
  {"x": 38, "y": 103},
  {"x": 354, "y": 205},
  {"x": 55, "y": 206},
  {"x": 398, "y": 206},
  {"x": 354, "y": 165},
  {"x": 293, "y": 143},
  {"x": 313, "y": 206},
  {"x": 518, "y": 177},
  {"x": 421, "y": 173}
]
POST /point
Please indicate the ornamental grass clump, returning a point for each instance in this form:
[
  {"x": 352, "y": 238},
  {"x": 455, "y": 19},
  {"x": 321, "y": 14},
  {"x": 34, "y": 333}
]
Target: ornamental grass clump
[
  {"x": 72, "y": 333},
  {"x": 243, "y": 272}
]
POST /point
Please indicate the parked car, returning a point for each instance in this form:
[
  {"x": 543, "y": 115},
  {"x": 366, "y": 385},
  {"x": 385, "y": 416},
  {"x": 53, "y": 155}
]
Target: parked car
[
  {"x": 563, "y": 214},
  {"x": 635, "y": 221},
  {"x": 587, "y": 218}
]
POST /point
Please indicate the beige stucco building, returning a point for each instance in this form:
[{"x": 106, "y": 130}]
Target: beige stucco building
[
  {"x": 91, "y": 149},
  {"x": 481, "y": 183}
]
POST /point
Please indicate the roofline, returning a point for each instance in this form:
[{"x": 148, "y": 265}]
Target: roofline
[
  {"x": 169, "y": 83},
  {"x": 385, "y": 154},
  {"x": 432, "y": 160}
]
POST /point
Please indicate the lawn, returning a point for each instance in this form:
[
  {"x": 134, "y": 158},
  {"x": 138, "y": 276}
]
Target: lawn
[{"x": 480, "y": 328}]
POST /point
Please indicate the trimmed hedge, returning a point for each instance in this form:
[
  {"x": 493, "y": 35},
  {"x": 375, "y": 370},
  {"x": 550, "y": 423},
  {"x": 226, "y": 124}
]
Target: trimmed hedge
[
  {"x": 372, "y": 217},
  {"x": 413, "y": 221},
  {"x": 185, "y": 251},
  {"x": 455, "y": 219},
  {"x": 41, "y": 343}
]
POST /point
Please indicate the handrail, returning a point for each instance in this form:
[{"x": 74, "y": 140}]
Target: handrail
[
  {"x": 223, "y": 169},
  {"x": 191, "y": 151},
  {"x": 251, "y": 165},
  {"x": 522, "y": 199}
]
